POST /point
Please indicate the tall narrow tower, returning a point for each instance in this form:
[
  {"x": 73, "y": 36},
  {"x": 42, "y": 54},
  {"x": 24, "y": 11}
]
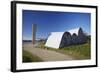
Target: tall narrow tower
[{"x": 33, "y": 33}]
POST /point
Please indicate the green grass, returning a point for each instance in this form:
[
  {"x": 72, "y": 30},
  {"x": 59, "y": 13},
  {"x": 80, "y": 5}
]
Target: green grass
[
  {"x": 28, "y": 57},
  {"x": 82, "y": 51}
]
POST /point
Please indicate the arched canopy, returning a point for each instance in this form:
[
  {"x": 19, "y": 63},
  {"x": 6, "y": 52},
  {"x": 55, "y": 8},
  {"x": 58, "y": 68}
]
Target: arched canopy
[
  {"x": 76, "y": 31},
  {"x": 56, "y": 39},
  {"x": 66, "y": 39}
]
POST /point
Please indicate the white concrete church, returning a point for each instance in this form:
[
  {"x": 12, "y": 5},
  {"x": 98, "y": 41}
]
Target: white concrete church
[{"x": 61, "y": 39}]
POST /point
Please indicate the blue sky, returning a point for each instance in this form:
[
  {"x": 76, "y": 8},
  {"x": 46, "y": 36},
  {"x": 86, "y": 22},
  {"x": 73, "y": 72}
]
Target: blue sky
[{"x": 48, "y": 22}]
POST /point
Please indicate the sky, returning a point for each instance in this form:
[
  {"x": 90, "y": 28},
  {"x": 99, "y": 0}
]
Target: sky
[{"x": 51, "y": 21}]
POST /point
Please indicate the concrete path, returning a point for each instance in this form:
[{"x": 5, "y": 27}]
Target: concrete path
[{"x": 46, "y": 55}]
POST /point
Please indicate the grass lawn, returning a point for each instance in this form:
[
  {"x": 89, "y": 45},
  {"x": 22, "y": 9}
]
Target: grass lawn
[
  {"x": 28, "y": 57},
  {"x": 82, "y": 51},
  {"x": 79, "y": 52}
]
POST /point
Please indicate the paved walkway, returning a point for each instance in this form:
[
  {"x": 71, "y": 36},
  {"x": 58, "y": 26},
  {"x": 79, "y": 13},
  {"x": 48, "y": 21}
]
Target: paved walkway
[{"x": 46, "y": 55}]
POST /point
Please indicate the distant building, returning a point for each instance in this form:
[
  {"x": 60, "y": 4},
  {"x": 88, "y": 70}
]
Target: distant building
[{"x": 61, "y": 39}]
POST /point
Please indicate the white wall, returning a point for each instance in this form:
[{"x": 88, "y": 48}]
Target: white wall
[{"x": 5, "y": 37}]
